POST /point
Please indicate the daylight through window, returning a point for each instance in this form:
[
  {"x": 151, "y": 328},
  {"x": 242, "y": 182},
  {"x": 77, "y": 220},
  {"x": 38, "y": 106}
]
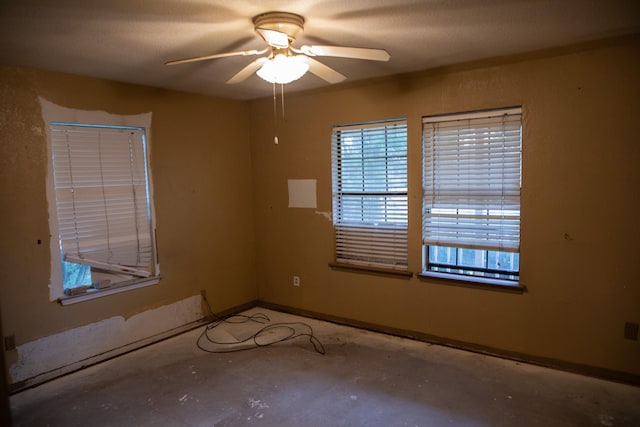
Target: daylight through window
[
  {"x": 471, "y": 193},
  {"x": 369, "y": 163}
]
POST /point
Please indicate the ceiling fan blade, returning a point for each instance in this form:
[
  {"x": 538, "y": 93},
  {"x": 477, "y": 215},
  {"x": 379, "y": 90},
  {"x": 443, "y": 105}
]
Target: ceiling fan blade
[
  {"x": 218, "y": 55},
  {"x": 247, "y": 71},
  {"x": 325, "y": 73},
  {"x": 347, "y": 52},
  {"x": 274, "y": 38}
]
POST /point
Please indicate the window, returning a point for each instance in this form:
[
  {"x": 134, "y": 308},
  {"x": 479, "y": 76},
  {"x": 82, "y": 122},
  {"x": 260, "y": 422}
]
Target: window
[
  {"x": 369, "y": 165},
  {"x": 471, "y": 194},
  {"x": 103, "y": 207}
]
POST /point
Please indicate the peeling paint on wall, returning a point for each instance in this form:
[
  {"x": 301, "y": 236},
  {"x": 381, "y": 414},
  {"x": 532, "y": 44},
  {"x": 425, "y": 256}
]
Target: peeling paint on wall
[
  {"x": 59, "y": 350},
  {"x": 326, "y": 215}
]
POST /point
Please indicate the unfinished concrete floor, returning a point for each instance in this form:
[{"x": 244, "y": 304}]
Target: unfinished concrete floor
[{"x": 364, "y": 379}]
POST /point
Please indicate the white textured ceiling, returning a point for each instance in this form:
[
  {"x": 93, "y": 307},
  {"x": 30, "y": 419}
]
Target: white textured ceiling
[{"x": 130, "y": 40}]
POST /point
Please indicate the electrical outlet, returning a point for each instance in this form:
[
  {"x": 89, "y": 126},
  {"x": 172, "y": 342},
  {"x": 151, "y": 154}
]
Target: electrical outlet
[
  {"x": 296, "y": 280},
  {"x": 631, "y": 331}
]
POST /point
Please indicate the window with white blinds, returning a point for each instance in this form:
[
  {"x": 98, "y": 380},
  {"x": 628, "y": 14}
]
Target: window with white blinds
[
  {"x": 369, "y": 165},
  {"x": 102, "y": 197},
  {"x": 472, "y": 180}
]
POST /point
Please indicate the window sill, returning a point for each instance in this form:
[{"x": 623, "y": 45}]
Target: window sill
[
  {"x": 373, "y": 270},
  {"x": 98, "y": 293},
  {"x": 475, "y": 282}
]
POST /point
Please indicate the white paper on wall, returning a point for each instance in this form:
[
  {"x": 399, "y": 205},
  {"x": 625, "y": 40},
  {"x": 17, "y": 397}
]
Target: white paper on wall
[{"x": 302, "y": 193}]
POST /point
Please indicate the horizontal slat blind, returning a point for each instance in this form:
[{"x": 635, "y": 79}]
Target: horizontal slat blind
[
  {"x": 471, "y": 180},
  {"x": 102, "y": 197},
  {"x": 370, "y": 194}
]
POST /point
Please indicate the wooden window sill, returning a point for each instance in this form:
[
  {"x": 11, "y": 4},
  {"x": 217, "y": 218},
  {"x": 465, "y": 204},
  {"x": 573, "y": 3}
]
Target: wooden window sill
[{"x": 373, "y": 270}]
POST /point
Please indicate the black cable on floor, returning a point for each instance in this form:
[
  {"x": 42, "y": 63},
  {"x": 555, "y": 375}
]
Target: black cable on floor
[{"x": 259, "y": 339}]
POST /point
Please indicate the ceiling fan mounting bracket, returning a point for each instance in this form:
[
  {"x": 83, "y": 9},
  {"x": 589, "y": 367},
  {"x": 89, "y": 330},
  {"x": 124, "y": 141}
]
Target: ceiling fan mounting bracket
[{"x": 288, "y": 23}]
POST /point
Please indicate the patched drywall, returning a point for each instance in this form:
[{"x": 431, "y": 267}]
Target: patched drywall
[
  {"x": 56, "y": 113},
  {"x": 68, "y": 347},
  {"x": 201, "y": 173}
]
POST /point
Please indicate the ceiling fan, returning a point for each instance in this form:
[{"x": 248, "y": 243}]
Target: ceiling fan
[{"x": 283, "y": 62}]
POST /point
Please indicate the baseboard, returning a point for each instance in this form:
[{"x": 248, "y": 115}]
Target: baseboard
[
  {"x": 587, "y": 370},
  {"x": 597, "y": 372}
]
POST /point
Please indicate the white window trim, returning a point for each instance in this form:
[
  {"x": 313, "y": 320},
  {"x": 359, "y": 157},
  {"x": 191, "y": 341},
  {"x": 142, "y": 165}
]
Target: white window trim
[{"x": 55, "y": 113}]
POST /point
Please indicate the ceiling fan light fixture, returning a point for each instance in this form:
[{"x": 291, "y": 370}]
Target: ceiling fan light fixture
[{"x": 284, "y": 69}]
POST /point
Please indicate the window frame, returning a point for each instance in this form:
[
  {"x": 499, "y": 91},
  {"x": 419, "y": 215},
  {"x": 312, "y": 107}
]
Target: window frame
[
  {"x": 384, "y": 211},
  {"x": 461, "y": 272},
  {"x": 54, "y": 114}
]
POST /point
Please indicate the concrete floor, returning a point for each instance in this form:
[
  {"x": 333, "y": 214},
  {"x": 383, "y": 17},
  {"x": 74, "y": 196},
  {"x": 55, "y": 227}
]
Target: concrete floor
[{"x": 364, "y": 379}]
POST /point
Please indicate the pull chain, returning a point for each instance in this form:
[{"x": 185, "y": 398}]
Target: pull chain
[
  {"x": 275, "y": 110},
  {"x": 275, "y": 116},
  {"x": 282, "y": 98}
]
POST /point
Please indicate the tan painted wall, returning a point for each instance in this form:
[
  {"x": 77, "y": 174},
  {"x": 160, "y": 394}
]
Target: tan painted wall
[
  {"x": 581, "y": 167},
  {"x": 200, "y": 161},
  {"x": 218, "y": 176}
]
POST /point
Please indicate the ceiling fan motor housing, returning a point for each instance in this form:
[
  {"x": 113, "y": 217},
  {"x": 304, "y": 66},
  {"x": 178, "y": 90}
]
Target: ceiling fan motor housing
[{"x": 288, "y": 23}]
